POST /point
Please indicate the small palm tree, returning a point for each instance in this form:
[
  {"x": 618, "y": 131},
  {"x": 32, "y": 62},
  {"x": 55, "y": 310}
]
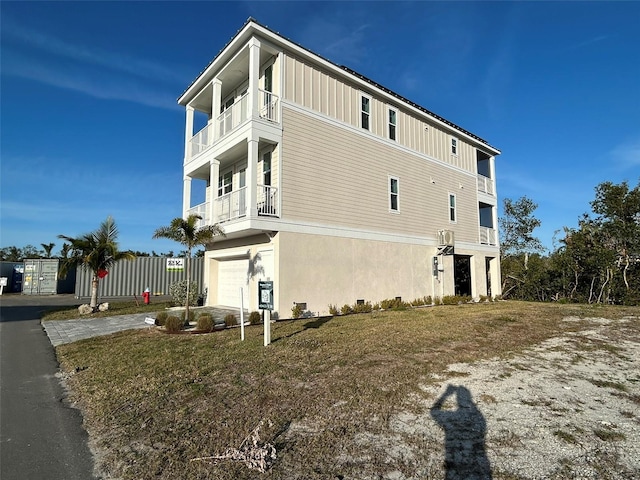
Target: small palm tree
[
  {"x": 97, "y": 251},
  {"x": 186, "y": 232},
  {"x": 48, "y": 247}
]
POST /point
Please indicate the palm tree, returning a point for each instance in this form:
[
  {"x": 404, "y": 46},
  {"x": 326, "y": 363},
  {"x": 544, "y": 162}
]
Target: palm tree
[
  {"x": 97, "y": 251},
  {"x": 186, "y": 232},
  {"x": 47, "y": 248}
]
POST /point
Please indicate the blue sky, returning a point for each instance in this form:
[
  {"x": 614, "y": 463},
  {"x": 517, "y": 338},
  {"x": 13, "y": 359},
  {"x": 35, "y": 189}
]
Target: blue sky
[{"x": 90, "y": 126}]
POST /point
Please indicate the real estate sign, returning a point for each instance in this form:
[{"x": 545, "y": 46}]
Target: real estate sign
[
  {"x": 265, "y": 295},
  {"x": 175, "y": 264}
]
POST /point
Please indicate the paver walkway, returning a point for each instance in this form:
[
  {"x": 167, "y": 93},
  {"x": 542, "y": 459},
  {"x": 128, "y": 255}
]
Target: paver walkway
[{"x": 68, "y": 331}]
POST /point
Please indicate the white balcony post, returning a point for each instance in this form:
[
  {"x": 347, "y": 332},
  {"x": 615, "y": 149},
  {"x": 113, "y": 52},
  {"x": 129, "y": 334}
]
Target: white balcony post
[
  {"x": 188, "y": 133},
  {"x": 214, "y": 175},
  {"x": 215, "y": 109},
  {"x": 254, "y": 76},
  {"x": 252, "y": 178},
  {"x": 186, "y": 196}
]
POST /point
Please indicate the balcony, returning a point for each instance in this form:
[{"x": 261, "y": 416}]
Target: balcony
[
  {"x": 486, "y": 185},
  {"x": 232, "y": 118},
  {"x": 488, "y": 236},
  {"x": 233, "y": 205}
]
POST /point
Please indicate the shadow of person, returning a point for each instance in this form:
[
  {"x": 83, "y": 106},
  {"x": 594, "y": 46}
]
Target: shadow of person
[{"x": 464, "y": 429}]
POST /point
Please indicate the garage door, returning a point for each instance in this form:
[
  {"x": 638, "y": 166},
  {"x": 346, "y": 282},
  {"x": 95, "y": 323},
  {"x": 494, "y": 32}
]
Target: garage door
[{"x": 232, "y": 275}]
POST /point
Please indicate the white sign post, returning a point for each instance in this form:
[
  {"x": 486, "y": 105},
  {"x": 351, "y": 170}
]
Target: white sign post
[
  {"x": 241, "y": 316},
  {"x": 4, "y": 281}
]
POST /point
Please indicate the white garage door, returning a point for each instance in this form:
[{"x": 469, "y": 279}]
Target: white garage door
[{"x": 232, "y": 275}]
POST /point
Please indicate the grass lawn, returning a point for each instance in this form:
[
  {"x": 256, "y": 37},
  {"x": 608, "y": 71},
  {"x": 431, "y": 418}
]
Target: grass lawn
[
  {"x": 115, "y": 308},
  {"x": 153, "y": 402}
]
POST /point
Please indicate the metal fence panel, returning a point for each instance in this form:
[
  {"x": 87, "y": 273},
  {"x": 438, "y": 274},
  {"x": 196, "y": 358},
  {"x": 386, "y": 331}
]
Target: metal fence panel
[{"x": 128, "y": 278}]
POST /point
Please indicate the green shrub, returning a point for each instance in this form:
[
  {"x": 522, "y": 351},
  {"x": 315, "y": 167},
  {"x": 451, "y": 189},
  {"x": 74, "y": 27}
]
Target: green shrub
[
  {"x": 161, "y": 318},
  {"x": 205, "y": 322},
  {"x": 376, "y": 307},
  {"x": 365, "y": 307},
  {"x": 255, "y": 318},
  {"x": 346, "y": 309},
  {"x": 437, "y": 301},
  {"x": 230, "y": 320},
  {"x": 393, "y": 304},
  {"x": 173, "y": 323},
  {"x": 455, "y": 299},
  {"x": 296, "y": 311},
  {"x": 333, "y": 310},
  {"x": 178, "y": 292},
  {"x": 192, "y": 317}
]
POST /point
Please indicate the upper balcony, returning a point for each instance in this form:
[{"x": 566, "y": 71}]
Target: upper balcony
[
  {"x": 233, "y": 206},
  {"x": 232, "y": 118},
  {"x": 486, "y": 185}
]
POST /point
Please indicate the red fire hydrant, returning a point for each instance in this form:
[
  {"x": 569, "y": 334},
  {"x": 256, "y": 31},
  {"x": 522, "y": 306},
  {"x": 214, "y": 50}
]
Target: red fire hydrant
[{"x": 145, "y": 295}]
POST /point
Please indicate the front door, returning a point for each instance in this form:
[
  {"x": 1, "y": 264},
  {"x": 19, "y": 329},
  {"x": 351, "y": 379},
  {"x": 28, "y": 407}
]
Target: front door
[{"x": 462, "y": 274}]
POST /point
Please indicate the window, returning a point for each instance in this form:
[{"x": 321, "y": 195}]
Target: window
[
  {"x": 394, "y": 193},
  {"x": 365, "y": 112},
  {"x": 224, "y": 183},
  {"x": 392, "y": 124},
  {"x": 266, "y": 168},
  {"x": 268, "y": 78},
  {"x": 452, "y": 208},
  {"x": 454, "y": 146}
]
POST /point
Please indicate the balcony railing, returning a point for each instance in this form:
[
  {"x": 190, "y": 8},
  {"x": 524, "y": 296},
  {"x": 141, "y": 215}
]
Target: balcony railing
[
  {"x": 233, "y": 205},
  {"x": 233, "y": 117},
  {"x": 203, "y": 211},
  {"x": 268, "y": 106},
  {"x": 486, "y": 185},
  {"x": 488, "y": 236}
]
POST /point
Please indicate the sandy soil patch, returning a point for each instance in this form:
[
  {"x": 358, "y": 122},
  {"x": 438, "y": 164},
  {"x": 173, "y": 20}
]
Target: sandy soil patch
[{"x": 568, "y": 408}]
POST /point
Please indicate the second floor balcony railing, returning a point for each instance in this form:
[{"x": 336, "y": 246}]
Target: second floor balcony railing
[
  {"x": 488, "y": 236},
  {"x": 486, "y": 185},
  {"x": 232, "y": 117}
]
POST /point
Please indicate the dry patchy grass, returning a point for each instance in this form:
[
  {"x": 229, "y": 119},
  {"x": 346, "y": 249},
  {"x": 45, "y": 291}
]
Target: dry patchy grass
[{"x": 155, "y": 401}]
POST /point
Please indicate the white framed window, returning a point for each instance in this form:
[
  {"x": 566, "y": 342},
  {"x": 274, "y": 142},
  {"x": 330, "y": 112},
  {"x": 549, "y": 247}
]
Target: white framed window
[
  {"x": 393, "y": 122},
  {"x": 225, "y": 183},
  {"x": 452, "y": 208},
  {"x": 454, "y": 146},
  {"x": 266, "y": 168},
  {"x": 365, "y": 111},
  {"x": 394, "y": 194}
]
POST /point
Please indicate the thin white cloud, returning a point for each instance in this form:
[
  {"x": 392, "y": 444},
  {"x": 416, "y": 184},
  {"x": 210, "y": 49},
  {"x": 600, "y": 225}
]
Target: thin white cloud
[
  {"x": 627, "y": 155},
  {"x": 83, "y": 54},
  {"x": 100, "y": 74},
  {"x": 586, "y": 43},
  {"x": 90, "y": 83}
]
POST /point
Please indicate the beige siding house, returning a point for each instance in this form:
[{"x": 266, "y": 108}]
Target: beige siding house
[{"x": 330, "y": 185}]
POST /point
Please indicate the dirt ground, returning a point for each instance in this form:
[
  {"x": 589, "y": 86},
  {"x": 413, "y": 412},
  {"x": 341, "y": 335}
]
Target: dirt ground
[{"x": 566, "y": 409}]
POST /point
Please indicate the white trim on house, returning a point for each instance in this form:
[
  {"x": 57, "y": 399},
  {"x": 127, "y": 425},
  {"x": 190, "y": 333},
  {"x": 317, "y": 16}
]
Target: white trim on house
[{"x": 280, "y": 43}]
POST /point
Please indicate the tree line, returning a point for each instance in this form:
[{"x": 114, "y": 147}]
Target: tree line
[
  {"x": 20, "y": 254},
  {"x": 596, "y": 262}
]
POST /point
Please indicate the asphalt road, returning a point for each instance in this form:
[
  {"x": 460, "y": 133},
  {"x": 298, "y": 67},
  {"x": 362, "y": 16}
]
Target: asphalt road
[{"x": 41, "y": 436}]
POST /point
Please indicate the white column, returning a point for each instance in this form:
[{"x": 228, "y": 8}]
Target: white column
[
  {"x": 188, "y": 133},
  {"x": 252, "y": 178},
  {"x": 186, "y": 196},
  {"x": 214, "y": 175},
  {"x": 254, "y": 76},
  {"x": 215, "y": 108}
]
